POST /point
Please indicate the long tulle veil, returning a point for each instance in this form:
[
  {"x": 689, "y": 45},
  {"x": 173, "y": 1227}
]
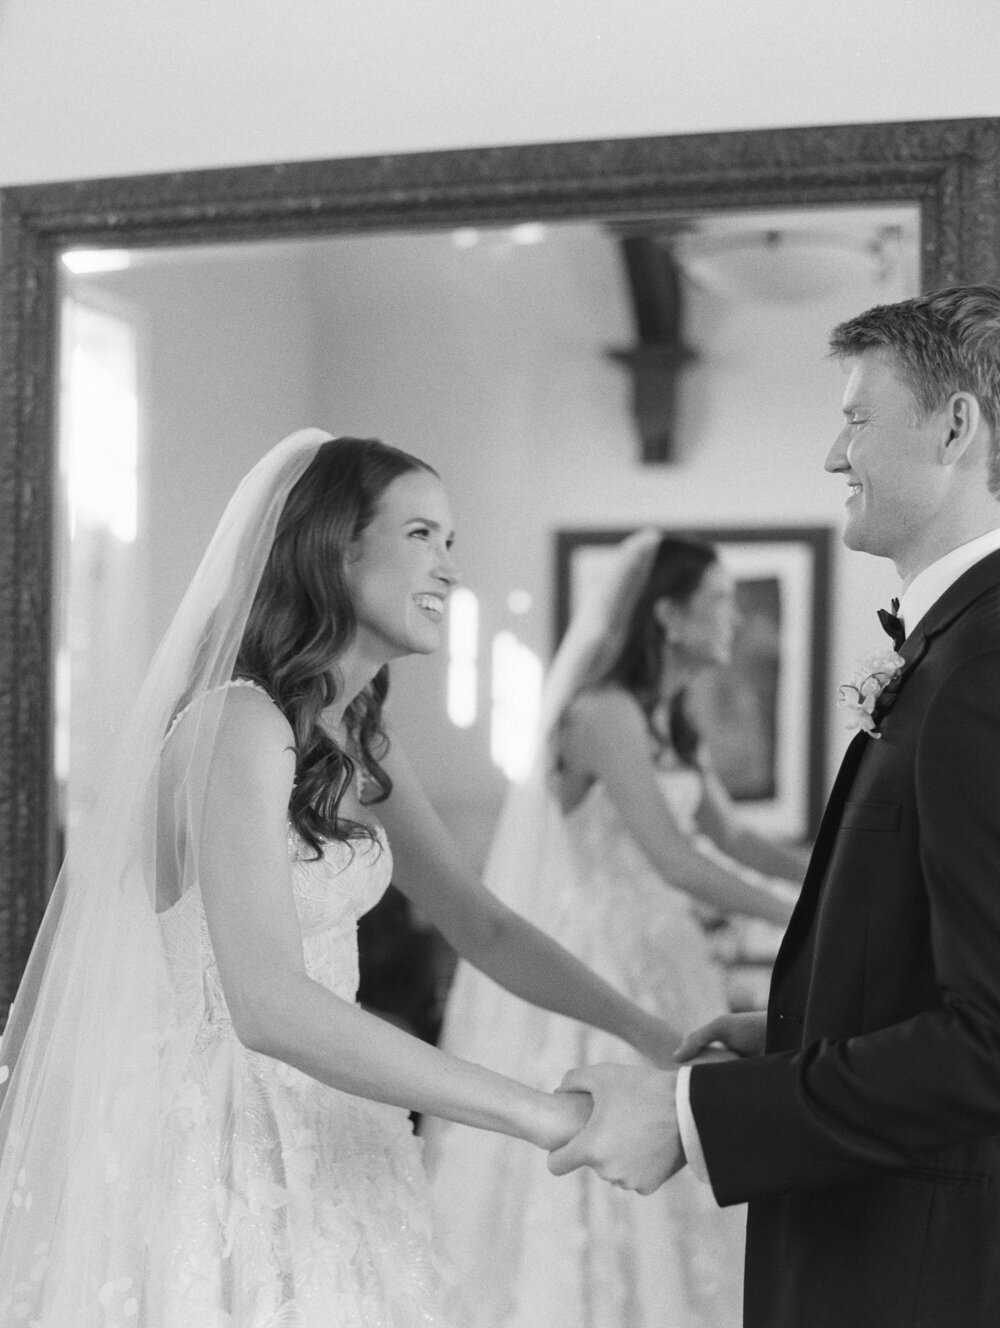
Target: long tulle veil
[
  {"x": 109, "y": 1005},
  {"x": 529, "y": 856}
]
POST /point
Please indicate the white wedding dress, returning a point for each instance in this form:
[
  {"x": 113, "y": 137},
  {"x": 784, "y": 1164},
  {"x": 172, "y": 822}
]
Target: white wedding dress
[
  {"x": 284, "y": 1203},
  {"x": 538, "y": 1252}
]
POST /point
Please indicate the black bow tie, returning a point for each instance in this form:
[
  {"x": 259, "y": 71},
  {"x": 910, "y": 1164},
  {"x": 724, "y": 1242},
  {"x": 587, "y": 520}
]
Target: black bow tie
[{"x": 893, "y": 624}]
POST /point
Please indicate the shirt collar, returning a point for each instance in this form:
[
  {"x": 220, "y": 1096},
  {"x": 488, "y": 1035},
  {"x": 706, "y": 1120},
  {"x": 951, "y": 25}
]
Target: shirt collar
[{"x": 929, "y": 585}]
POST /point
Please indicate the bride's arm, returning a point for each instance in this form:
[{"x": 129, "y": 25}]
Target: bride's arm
[
  {"x": 605, "y": 736},
  {"x": 275, "y": 1006},
  {"x": 720, "y": 820},
  {"x": 432, "y": 872}
]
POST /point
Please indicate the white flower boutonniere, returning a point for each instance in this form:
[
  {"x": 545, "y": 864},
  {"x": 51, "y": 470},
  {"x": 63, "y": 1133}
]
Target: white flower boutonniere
[{"x": 871, "y": 677}]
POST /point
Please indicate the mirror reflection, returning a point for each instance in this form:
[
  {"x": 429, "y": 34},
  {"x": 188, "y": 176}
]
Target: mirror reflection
[{"x": 512, "y": 360}]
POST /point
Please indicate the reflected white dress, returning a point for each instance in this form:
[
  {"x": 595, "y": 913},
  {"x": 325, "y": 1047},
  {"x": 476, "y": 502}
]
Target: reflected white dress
[
  {"x": 283, "y": 1202},
  {"x": 534, "y": 1251}
]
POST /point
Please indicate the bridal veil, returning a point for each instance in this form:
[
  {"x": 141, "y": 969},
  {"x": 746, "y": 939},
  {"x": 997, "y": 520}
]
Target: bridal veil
[{"x": 109, "y": 1006}]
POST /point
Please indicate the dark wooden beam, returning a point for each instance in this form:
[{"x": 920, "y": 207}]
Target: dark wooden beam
[{"x": 656, "y": 285}]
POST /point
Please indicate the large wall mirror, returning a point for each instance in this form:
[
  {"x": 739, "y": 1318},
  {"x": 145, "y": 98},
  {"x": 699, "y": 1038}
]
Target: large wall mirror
[{"x": 489, "y": 310}]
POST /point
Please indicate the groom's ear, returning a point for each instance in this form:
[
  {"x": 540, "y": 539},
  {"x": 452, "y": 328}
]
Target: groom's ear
[
  {"x": 671, "y": 618},
  {"x": 962, "y": 421},
  {"x": 664, "y": 612}
]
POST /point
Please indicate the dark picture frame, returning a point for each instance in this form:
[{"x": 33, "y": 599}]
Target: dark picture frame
[{"x": 765, "y": 716}]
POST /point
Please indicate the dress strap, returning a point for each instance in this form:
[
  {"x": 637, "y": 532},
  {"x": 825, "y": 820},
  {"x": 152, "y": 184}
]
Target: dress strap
[{"x": 233, "y": 682}]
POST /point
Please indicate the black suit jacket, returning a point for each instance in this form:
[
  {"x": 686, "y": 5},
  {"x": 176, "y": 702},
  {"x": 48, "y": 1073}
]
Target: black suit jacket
[{"x": 868, "y": 1137}]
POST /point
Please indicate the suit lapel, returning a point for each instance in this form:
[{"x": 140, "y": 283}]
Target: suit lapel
[
  {"x": 798, "y": 926},
  {"x": 911, "y": 652},
  {"x": 981, "y": 577}
]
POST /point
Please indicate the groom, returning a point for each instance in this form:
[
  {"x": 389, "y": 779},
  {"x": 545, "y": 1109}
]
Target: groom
[{"x": 861, "y": 1118}]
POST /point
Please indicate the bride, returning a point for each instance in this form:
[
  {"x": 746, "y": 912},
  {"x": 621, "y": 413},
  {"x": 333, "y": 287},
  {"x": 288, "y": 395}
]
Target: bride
[
  {"x": 615, "y": 835},
  {"x": 200, "y": 1126}
]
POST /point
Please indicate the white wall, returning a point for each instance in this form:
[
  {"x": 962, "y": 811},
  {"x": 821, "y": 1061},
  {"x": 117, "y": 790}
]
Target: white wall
[
  {"x": 109, "y": 87},
  {"x": 231, "y": 369}
]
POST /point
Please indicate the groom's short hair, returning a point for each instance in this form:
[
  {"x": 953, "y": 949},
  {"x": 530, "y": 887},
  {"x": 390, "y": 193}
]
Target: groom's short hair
[{"x": 943, "y": 342}]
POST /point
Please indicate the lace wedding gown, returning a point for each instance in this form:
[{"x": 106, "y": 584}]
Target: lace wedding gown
[
  {"x": 285, "y": 1203},
  {"x": 534, "y": 1251}
]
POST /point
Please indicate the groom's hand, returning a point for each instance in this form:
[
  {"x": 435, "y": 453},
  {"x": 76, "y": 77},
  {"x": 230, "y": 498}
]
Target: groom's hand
[
  {"x": 631, "y": 1138},
  {"x": 740, "y": 1034}
]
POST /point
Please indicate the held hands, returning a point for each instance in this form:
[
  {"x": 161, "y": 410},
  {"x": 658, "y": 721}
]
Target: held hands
[
  {"x": 563, "y": 1116},
  {"x": 631, "y": 1138}
]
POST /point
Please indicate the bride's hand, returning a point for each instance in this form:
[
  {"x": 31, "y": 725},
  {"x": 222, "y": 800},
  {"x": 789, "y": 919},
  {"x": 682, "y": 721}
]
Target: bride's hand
[
  {"x": 741, "y": 1034},
  {"x": 563, "y": 1117}
]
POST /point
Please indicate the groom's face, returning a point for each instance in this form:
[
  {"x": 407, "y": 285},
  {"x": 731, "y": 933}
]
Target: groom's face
[{"x": 888, "y": 452}]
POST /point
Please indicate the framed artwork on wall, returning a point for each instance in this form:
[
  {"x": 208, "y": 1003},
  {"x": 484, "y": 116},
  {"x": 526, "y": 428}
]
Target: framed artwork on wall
[{"x": 764, "y": 716}]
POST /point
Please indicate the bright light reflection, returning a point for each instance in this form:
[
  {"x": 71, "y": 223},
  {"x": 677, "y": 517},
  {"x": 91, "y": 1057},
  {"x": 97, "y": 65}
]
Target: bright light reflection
[
  {"x": 86, "y": 261},
  {"x": 100, "y": 422},
  {"x": 463, "y": 654},
  {"x": 517, "y": 690},
  {"x": 528, "y": 232}
]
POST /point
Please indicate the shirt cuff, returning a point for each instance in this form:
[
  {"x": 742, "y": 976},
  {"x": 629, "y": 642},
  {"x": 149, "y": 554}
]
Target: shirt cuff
[{"x": 685, "y": 1123}]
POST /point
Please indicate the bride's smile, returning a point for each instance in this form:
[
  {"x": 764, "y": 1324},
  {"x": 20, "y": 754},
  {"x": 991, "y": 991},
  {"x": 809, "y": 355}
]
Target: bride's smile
[{"x": 400, "y": 571}]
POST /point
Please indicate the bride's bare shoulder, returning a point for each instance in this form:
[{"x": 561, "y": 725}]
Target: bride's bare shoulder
[
  {"x": 238, "y": 715},
  {"x": 607, "y": 703},
  {"x": 251, "y": 717},
  {"x": 597, "y": 719}
]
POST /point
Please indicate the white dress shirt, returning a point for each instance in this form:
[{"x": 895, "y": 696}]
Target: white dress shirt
[
  {"x": 924, "y": 590},
  {"x": 928, "y": 586}
]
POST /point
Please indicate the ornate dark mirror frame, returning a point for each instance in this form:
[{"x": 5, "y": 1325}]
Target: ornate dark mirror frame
[{"x": 949, "y": 168}]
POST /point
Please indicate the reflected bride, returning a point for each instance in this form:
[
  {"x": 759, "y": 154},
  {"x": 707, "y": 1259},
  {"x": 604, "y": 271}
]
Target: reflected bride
[{"x": 598, "y": 848}]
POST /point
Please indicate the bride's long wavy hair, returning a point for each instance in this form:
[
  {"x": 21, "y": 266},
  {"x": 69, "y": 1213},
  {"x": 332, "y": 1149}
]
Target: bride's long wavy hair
[
  {"x": 302, "y": 620},
  {"x": 678, "y": 568}
]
